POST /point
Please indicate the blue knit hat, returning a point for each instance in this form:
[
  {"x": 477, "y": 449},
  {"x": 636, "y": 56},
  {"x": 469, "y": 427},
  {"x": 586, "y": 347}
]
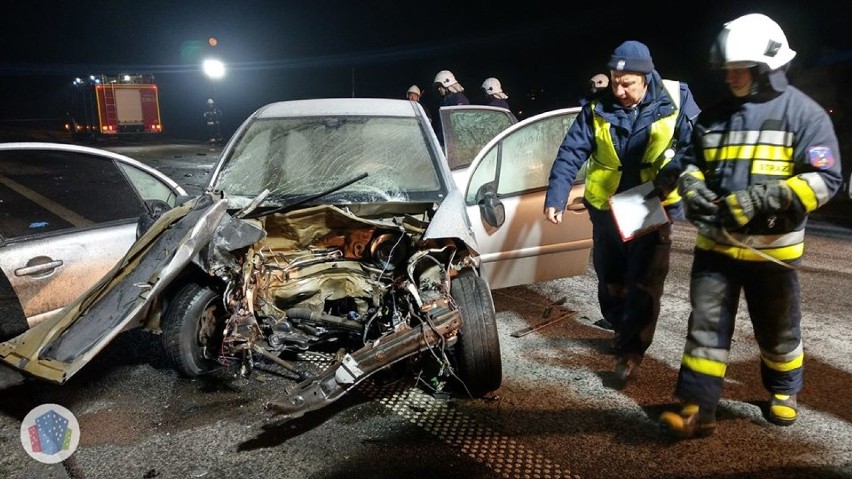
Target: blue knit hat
[{"x": 631, "y": 56}]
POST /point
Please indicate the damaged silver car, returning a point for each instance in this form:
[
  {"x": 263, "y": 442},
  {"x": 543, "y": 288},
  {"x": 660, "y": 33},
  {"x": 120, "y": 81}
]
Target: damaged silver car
[
  {"x": 329, "y": 227},
  {"x": 332, "y": 229}
]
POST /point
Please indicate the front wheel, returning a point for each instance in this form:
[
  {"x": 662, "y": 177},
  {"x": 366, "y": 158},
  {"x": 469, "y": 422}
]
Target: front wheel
[
  {"x": 478, "y": 347},
  {"x": 192, "y": 329}
]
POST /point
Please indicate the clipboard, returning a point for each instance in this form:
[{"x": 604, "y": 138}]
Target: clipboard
[{"x": 635, "y": 215}]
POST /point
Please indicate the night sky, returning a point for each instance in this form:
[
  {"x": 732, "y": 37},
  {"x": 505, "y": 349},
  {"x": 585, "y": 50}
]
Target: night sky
[{"x": 278, "y": 50}]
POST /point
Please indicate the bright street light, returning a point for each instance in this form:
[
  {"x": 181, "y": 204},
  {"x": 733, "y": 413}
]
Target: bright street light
[{"x": 213, "y": 69}]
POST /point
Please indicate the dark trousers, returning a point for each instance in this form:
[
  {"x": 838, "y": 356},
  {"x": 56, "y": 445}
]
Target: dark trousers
[
  {"x": 772, "y": 294},
  {"x": 630, "y": 280}
]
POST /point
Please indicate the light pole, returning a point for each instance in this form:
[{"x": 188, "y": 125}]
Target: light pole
[{"x": 215, "y": 70}]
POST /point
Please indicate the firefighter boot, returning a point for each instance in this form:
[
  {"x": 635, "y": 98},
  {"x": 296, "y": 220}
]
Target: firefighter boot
[
  {"x": 691, "y": 422},
  {"x": 783, "y": 410}
]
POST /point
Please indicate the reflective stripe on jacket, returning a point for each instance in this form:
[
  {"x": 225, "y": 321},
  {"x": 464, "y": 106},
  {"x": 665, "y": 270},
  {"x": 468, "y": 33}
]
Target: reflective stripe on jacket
[{"x": 603, "y": 173}]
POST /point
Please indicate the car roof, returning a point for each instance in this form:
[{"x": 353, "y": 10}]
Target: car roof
[{"x": 338, "y": 106}]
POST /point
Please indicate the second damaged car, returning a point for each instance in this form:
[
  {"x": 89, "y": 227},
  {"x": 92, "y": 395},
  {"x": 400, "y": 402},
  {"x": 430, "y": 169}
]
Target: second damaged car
[{"x": 330, "y": 227}]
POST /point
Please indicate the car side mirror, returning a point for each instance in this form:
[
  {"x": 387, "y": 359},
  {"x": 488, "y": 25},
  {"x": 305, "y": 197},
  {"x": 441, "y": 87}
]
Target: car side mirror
[{"x": 490, "y": 207}]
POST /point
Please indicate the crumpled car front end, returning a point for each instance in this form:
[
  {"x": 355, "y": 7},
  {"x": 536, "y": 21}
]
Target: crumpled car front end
[{"x": 366, "y": 274}]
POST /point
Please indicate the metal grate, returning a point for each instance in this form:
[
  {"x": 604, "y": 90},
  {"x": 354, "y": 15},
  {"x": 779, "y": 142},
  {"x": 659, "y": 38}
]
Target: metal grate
[{"x": 481, "y": 443}]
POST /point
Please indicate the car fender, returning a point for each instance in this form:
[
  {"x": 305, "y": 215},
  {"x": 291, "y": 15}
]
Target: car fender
[{"x": 451, "y": 221}]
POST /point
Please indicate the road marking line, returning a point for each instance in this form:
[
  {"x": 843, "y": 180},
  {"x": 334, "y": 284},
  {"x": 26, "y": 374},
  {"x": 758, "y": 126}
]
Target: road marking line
[{"x": 46, "y": 203}]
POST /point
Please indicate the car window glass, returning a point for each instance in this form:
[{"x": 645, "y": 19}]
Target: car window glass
[
  {"x": 528, "y": 153},
  {"x": 295, "y": 157},
  {"x": 471, "y": 131},
  {"x": 149, "y": 186},
  {"x": 254, "y": 160},
  {"x": 485, "y": 172},
  {"x": 526, "y": 156},
  {"x": 45, "y": 191}
]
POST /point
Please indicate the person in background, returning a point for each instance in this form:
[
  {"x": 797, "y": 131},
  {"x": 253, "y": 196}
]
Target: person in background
[
  {"x": 413, "y": 94},
  {"x": 598, "y": 86},
  {"x": 635, "y": 133},
  {"x": 213, "y": 117},
  {"x": 451, "y": 91},
  {"x": 599, "y": 82},
  {"x": 760, "y": 162},
  {"x": 494, "y": 94}
]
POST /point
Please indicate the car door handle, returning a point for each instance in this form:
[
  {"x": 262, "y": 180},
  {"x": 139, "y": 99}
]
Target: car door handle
[{"x": 38, "y": 269}]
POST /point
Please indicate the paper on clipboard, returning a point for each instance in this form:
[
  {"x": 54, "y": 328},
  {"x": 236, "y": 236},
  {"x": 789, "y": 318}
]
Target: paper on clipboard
[{"x": 634, "y": 214}]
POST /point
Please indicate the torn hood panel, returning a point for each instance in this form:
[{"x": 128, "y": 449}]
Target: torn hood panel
[{"x": 59, "y": 347}]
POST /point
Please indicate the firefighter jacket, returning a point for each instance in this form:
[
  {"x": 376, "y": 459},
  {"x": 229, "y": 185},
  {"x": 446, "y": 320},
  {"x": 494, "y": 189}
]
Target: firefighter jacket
[
  {"x": 624, "y": 146},
  {"x": 498, "y": 102},
  {"x": 772, "y": 136},
  {"x": 452, "y": 99}
]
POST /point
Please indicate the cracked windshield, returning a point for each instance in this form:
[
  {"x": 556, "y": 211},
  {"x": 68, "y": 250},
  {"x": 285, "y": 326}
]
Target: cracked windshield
[{"x": 297, "y": 157}]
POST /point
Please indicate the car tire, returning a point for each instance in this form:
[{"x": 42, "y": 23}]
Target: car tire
[
  {"x": 193, "y": 306},
  {"x": 477, "y": 351},
  {"x": 13, "y": 321}
]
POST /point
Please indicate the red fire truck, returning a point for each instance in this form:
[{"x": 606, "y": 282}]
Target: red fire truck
[{"x": 113, "y": 106}]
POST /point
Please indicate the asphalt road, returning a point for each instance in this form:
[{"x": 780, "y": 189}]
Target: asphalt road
[{"x": 556, "y": 415}]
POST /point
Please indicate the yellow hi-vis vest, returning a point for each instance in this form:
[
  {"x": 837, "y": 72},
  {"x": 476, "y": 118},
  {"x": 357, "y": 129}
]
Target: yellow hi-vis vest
[{"x": 603, "y": 166}]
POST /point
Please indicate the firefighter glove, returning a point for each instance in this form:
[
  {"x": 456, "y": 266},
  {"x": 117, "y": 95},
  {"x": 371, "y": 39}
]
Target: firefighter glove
[
  {"x": 743, "y": 205},
  {"x": 698, "y": 200}
]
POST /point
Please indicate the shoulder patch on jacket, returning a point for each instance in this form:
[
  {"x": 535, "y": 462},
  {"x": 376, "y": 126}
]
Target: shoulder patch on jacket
[{"x": 821, "y": 157}]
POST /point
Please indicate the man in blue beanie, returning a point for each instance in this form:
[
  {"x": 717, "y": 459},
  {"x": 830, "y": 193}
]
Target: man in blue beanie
[{"x": 634, "y": 133}]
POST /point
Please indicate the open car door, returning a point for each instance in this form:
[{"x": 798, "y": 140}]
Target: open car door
[
  {"x": 504, "y": 193},
  {"x": 466, "y": 130},
  {"x": 59, "y": 346}
]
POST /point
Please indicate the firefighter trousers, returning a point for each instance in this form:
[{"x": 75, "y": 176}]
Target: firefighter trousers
[
  {"x": 772, "y": 295},
  {"x": 631, "y": 275}
]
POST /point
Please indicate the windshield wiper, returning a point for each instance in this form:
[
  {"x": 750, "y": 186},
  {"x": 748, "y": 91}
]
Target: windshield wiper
[{"x": 307, "y": 199}]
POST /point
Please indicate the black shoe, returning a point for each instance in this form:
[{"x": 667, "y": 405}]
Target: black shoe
[
  {"x": 604, "y": 324},
  {"x": 627, "y": 369}
]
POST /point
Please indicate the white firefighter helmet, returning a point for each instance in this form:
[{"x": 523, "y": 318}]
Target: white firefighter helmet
[
  {"x": 413, "y": 89},
  {"x": 493, "y": 88},
  {"x": 599, "y": 82},
  {"x": 751, "y": 40},
  {"x": 445, "y": 78},
  {"x": 209, "y": 101}
]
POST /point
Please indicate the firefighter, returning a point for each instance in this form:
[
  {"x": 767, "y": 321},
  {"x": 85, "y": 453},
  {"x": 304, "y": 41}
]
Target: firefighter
[
  {"x": 633, "y": 134},
  {"x": 598, "y": 83},
  {"x": 451, "y": 91},
  {"x": 213, "y": 116},
  {"x": 413, "y": 93},
  {"x": 493, "y": 92},
  {"x": 598, "y": 86},
  {"x": 761, "y": 161}
]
